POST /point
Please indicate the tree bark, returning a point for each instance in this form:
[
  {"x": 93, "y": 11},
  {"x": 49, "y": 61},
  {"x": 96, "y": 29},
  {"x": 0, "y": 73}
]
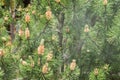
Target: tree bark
[{"x": 60, "y": 26}]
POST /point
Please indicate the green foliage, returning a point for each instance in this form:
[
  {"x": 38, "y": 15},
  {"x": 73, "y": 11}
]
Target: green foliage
[
  {"x": 84, "y": 30},
  {"x": 113, "y": 34},
  {"x": 100, "y": 74},
  {"x": 1, "y": 74}
]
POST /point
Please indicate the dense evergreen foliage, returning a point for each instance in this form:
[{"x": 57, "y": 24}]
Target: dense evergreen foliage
[{"x": 60, "y": 39}]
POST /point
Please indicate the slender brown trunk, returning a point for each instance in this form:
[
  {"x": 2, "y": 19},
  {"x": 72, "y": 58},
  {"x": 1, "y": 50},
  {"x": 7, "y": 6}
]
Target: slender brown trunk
[
  {"x": 60, "y": 28},
  {"x": 12, "y": 31},
  {"x": 12, "y": 25},
  {"x": 61, "y": 18}
]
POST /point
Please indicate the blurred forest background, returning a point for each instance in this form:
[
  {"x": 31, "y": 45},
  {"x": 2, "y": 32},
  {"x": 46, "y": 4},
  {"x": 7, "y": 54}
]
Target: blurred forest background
[{"x": 59, "y": 39}]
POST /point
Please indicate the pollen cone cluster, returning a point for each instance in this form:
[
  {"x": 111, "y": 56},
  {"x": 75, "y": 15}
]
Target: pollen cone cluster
[
  {"x": 27, "y": 18},
  {"x": 45, "y": 68},
  {"x": 48, "y": 14},
  {"x": 73, "y": 65},
  {"x": 27, "y": 33}
]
